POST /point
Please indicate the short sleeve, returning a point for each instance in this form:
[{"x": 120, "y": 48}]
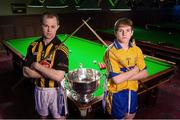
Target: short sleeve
[
  {"x": 140, "y": 59},
  {"x": 29, "y": 57},
  {"x": 61, "y": 59}
]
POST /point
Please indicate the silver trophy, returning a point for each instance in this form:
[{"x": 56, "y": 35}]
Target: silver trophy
[{"x": 82, "y": 83}]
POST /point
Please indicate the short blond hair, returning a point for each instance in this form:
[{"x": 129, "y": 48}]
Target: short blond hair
[{"x": 49, "y": 15}]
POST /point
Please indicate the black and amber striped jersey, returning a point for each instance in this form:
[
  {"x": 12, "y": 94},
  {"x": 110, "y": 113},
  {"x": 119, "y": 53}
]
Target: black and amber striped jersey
[{"x": 58, "y": 60}]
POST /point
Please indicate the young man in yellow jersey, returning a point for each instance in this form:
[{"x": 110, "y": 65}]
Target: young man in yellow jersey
[
  {"x": 125, "y": 66},
  {"x": 47, "y": 69}
]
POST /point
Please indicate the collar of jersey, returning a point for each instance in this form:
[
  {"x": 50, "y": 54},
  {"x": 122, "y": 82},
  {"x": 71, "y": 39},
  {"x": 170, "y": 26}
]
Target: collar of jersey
[{"x": 118, "y": 45}]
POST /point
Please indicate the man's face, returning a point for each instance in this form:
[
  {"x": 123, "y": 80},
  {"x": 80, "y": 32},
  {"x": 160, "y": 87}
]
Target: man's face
[
  {"x": 124, "y": 33},
  {"x": 49, "y": 27}
]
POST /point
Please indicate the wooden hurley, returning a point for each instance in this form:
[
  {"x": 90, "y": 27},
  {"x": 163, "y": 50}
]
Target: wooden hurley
[{"x": 95, "y": 33}]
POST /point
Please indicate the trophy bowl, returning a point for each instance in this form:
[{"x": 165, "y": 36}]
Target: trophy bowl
[{"x": 83, "y": 81}]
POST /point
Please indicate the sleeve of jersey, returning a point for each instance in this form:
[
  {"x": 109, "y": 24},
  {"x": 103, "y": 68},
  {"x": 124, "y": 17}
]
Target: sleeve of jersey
[
  {"x": 61, "y": 60},
  {"x": 112, "y": 65},
  {"x": 29, "y": 57},
  {"x": 140, "y": 60}
]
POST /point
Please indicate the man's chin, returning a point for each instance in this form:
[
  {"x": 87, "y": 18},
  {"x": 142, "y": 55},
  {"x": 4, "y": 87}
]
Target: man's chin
[{"x": 49, "y": 37}]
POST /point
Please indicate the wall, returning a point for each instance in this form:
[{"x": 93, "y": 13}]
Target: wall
[
  {"x": 152, "y": 16},
  {"x": 18, "y": 26},
  {"x": 27, "y": 25},
  {"x": 5, "y": 8}
]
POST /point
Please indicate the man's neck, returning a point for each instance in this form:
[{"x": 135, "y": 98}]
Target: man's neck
[
  {"x": 46, "y": 41},
  {"x": 125, "y": 46}
]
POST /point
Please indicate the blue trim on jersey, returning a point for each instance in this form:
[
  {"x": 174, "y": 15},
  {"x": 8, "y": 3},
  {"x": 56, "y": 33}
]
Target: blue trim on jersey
[
  {"x": 125, "y": 69},
  {"x": 118, "y": 45},
  {"x": 113, "y": 74}
]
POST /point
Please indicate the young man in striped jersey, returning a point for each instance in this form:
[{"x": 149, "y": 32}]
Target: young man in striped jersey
[{"x": 47, "y": 66}]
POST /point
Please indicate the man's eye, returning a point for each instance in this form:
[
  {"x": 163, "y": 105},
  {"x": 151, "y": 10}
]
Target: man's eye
[
  {"x": 119, "y": 30},
  {"x": 128, "y": 30},
  {"x": 45, "y": 25}
]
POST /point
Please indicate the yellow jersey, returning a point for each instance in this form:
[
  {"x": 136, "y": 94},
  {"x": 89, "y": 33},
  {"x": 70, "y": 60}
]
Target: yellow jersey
[{"x": 118, "y": 60}]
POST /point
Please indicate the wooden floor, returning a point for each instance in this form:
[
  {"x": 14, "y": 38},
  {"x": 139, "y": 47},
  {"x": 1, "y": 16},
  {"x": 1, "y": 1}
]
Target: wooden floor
[{"x": 18, "y": 102}]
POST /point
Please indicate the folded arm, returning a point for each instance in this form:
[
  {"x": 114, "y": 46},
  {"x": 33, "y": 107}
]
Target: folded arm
[
  {"x": 30, "y": 73},
  {"x": 46, "y": 72},
  {"x": 125, "y": 75},
  {"x": 140, "y": 75}
]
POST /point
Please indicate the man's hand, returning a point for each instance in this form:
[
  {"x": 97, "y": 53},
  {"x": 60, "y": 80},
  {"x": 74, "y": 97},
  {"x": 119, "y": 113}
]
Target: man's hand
[
  {"x": 136, "y": 69},
  {"x": 45, "y": 64},
  {"x": 35, "y": 65},
  {"x": 138, "y": 74}
]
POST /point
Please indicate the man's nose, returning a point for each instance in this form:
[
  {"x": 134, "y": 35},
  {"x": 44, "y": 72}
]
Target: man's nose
[
  {"x": 49, "y": 28},
  {"x": 124, "y": 33}
]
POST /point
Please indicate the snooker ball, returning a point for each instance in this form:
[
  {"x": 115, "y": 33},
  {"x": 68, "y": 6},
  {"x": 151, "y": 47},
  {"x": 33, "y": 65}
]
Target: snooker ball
[
  {"x": 70, "y": 51},
  {"x": 80, "y": 65},
  {"x": 94, "y": 61}
]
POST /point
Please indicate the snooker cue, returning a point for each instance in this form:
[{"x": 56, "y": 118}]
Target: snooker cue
[
  {"x": 95, "y": 33},
  {"x": 121, "y": 62},
  {"x": 56, "y": 47}
]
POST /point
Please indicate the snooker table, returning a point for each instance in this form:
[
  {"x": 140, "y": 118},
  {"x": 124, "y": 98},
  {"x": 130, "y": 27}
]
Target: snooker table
[
  {"x": 79, "y": 48},
  {"x": 166, "y": 27},
  {"x": 152, "y": 42}
]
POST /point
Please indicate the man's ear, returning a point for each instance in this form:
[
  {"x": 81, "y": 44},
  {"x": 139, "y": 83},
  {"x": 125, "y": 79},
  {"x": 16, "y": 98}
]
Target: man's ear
[
  {"x": 132, "y": 32},
  {"x": 115, "y": 33}
]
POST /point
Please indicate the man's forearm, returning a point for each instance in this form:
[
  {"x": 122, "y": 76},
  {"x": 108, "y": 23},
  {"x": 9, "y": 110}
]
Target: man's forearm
[
  {"x": 50, "y": 73},
  {"x": 125, "y": 76},
  {"x": 140, "y": 75},
  {"x": 27, "y": 72}
]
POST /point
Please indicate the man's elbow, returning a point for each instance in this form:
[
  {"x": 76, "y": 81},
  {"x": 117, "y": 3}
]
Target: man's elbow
[
  {"x": 145, "y": 74},
  {"x": 59, "y": 79},
  {"x": 60, "y": 76},
  {"x": 116, "y": 80},
  {"x": 25, "y": 73}
]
